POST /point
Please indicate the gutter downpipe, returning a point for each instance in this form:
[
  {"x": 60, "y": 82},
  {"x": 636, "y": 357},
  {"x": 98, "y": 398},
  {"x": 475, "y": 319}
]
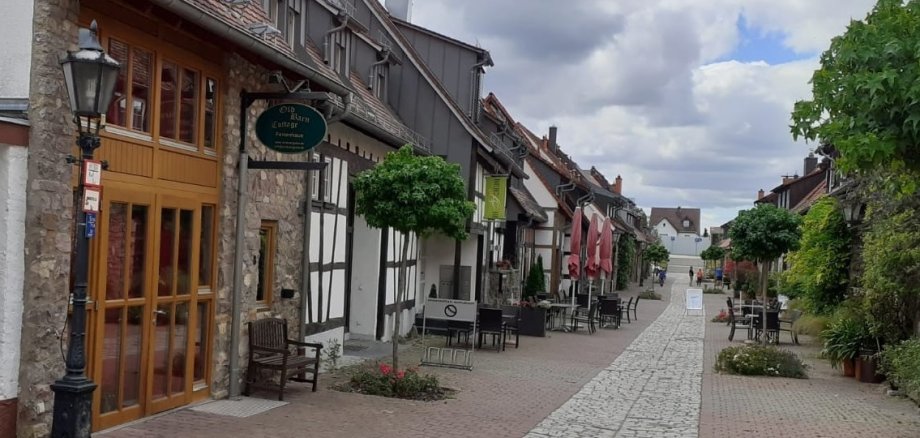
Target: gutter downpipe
[
  {"x": 326, "y": 38},
  {"x": 306, "y": 312},
  {"x": 249, "y": 42},
  {"x": 386, "y": 58},
  {"x": 236, "y": 298}
]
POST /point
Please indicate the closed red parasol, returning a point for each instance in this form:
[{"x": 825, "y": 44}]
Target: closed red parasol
[{"x": 591, "y": 263}]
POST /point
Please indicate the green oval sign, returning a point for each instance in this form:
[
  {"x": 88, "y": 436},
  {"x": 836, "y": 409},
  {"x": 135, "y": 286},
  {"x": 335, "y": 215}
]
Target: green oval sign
[{"x": 291, "y": 128}]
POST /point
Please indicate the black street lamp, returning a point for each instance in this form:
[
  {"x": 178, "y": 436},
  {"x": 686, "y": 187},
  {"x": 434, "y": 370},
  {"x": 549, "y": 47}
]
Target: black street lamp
[{"x": 90, "y": 76}]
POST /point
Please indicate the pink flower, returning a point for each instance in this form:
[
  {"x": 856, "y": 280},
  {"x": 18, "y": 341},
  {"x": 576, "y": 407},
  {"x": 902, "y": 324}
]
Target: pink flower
[
  {"x": 400, "y": 374},
  {"x": 385, "y": 369}
]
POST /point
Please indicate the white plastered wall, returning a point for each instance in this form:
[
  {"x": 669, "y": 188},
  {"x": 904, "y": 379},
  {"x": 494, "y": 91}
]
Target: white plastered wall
[
  {"x": 13, "y": 172},
  {"x": 16, "y": 34}
]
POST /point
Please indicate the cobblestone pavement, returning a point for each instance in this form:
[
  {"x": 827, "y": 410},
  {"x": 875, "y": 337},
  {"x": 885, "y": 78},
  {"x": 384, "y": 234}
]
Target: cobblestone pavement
[
  {"x": 505, "y": 395},
  {"x": 824, "y": 405},
  {"x": 651, "y": 390}
]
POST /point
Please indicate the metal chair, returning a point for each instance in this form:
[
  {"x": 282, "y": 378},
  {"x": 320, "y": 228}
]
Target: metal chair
[
  {"x": 585, "y": 317},
  {"x": 491, "y": 323},
  {"x": 738, "y": 321}
]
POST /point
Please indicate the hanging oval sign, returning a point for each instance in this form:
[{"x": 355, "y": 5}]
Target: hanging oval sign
[{"x": 291, "y": 128}]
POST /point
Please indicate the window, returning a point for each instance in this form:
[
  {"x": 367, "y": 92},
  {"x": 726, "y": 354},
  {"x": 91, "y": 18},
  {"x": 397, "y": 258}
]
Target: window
[
  {"x": 322, "y": 180},
  {"x": 686, "y": 223},
  {"x": 266, "y": 263},
  {"x": 137, "y": 71},
  {"x": 379, "y": 81},
  {"x": 188, "y": 108},
  {"x": 339, "y": 61}
]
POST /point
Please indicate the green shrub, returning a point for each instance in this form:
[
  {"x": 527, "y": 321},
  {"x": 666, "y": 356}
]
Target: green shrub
[
  {"x": 811, "y": 325},
  {"x": 901, "y": 364},
  {"x": 650, "y": 295},
  {"x": 760, "y": 360},
  {"x": 713, "y": 290},
  {"x": 384, "y": 381}
]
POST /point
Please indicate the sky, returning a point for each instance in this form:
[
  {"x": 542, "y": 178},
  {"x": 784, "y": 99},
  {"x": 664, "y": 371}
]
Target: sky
[{"x": 688, "y": 100}]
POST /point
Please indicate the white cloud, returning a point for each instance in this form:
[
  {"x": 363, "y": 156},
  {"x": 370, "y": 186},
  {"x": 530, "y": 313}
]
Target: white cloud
[{"x": 634, "y": 90}]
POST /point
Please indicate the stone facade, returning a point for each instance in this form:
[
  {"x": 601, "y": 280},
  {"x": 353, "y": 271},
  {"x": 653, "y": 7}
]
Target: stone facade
[{"x": 49, "y": 217}]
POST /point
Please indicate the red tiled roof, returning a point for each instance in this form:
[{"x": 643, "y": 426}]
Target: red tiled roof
[
  {"x": 242, "y": 17},
  {"x": 819, "y": 191},
  {"x": 676, "y": 216}
]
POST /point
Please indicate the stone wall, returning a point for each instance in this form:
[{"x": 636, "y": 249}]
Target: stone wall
[
  {"x": 273, "y": 195},
  {"x": 49, "y": 217}
]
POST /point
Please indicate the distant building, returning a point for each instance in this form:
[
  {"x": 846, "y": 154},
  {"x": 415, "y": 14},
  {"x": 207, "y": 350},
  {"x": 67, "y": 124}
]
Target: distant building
[{"x": 679, "y": 230}]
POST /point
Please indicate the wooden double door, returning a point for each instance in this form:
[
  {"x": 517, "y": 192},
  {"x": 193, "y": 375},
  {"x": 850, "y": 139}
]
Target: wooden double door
[{"x": 150, "y": 328}]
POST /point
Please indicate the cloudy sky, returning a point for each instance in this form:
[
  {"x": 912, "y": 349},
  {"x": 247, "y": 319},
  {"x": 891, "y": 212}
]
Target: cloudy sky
[{"x": 688, "y": 100}]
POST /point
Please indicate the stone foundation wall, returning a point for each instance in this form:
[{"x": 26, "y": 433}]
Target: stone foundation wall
[{"x": 49, "y": 217}]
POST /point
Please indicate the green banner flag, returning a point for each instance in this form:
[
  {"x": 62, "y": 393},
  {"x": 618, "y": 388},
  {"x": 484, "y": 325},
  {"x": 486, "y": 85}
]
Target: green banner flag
[{"x": 496, "y": 191}]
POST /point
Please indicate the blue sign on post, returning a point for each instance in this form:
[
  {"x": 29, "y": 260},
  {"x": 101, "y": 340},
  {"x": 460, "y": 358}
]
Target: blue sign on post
[{"x": 90, "y": 225}]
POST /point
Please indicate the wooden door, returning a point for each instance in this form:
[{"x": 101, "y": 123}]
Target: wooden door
[
  {"x": 122, "y": 293},
  {"x": 173, "y": 306}
]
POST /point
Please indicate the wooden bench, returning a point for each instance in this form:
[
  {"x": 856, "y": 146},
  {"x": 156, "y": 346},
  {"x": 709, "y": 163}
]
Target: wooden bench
[{"x": 270, "y": 349}]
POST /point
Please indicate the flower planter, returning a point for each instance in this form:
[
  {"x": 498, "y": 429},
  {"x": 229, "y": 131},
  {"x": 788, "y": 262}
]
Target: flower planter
[
  {"x": 849, "y": 367},
  {"x": 533, "y": 322},
  {"x": 867, "y": 369}
]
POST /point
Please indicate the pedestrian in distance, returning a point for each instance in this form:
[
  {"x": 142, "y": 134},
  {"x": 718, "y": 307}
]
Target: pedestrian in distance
[
  {"x": 661, "y": 276},
  {"x": 699, "y": 277},
  {"x": 691, "y": 275}
]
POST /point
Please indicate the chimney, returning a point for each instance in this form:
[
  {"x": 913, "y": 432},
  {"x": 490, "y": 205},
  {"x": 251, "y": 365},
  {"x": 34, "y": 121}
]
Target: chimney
[
  {"x": 760, "y": 194},
  {"x": 788, "y": 178},
  {"x": 401, "y": 9},
  {"x": 618, "y": 185},
  {"x": 552, "y": 138},
  {"x": 811, "y": 162}
]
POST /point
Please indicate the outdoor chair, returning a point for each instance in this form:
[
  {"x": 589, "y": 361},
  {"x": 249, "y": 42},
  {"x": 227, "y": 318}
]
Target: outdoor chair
[
  {"x": 270, "y": 349},
  {"x": 633, "y": 306},
  {"x": 731, "y": 305},
  {"x": 585, "y": 317},
  {"x": 491, "y": 323},
  {"x": 625, "y": 310},
  {"x": 609, "y": 313},
  {"x": 788, "y": 321},
  {"x": 512, "y": 318},
  {"x": 738, "y": 321},
  {"x": 772, "y": 331},
  {"x": 461, "y": 329},
  {"x": 581, "y": 300}
]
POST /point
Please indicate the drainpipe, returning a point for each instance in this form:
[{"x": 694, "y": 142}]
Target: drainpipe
[
  {"x": 386, "y": 58},
  {"x": 242, "y": 191},
  {"x": 328, "y": 34},
  {"x": 306, "y": 304},
  {"x": 249, "y": 42}
]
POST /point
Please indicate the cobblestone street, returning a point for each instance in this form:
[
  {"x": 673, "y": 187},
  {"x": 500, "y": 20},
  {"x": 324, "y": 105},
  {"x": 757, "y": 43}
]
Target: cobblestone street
[{"x": 651, "y": 390}]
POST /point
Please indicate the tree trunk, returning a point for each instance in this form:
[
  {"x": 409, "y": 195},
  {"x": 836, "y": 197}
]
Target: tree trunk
[
  {"x": 764, "y": 284},
  {"x": 400, "y": 294}
]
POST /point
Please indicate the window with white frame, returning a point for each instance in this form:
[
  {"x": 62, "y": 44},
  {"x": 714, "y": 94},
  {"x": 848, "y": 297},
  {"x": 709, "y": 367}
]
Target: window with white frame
[{"x": 341, "y": 52}]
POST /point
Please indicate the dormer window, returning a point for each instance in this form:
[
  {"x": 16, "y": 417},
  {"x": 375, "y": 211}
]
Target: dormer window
[{"x": 686, "y": 223}]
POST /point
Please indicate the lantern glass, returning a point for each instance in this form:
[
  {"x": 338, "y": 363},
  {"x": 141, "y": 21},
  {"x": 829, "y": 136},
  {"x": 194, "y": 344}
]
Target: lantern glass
[{"x": 90, "y": 75}]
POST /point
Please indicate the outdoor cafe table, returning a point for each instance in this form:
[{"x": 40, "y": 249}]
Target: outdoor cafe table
[
  {"x": 755, "y": 313},
  {"x": 560, "y": 310}
]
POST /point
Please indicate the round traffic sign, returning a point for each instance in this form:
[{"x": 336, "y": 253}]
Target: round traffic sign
[{"x": 450, "y": 310}]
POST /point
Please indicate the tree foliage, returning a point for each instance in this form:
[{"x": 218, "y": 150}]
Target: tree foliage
[
  {"x": 713, "y": 253},
  {"x": 764, "y": 233},
  {"x": 820, "y": 268},
  {"x": 866, "y": 94},
  {"x": 626, "y": 259},
  {"x": 413, "y": 195},
  {"x": 657, "y": 253}
]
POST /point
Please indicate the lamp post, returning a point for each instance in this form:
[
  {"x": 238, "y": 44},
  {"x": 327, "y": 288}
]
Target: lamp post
[{"x": 90, "y": 77}]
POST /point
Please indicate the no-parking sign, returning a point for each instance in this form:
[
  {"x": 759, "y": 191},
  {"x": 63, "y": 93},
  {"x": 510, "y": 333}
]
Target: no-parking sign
[{"x": 452, "y": 310}]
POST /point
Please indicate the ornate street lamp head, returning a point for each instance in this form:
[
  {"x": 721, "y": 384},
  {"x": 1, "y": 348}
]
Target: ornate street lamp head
[{"x": 90, "y": 75}]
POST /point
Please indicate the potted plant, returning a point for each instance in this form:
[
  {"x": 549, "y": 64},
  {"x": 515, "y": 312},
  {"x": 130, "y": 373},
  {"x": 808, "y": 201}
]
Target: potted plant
[
  {"x": 533, "y": 318},
  {"x": 842, "y": 342},
  {"x": 867, "y": 366}
]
